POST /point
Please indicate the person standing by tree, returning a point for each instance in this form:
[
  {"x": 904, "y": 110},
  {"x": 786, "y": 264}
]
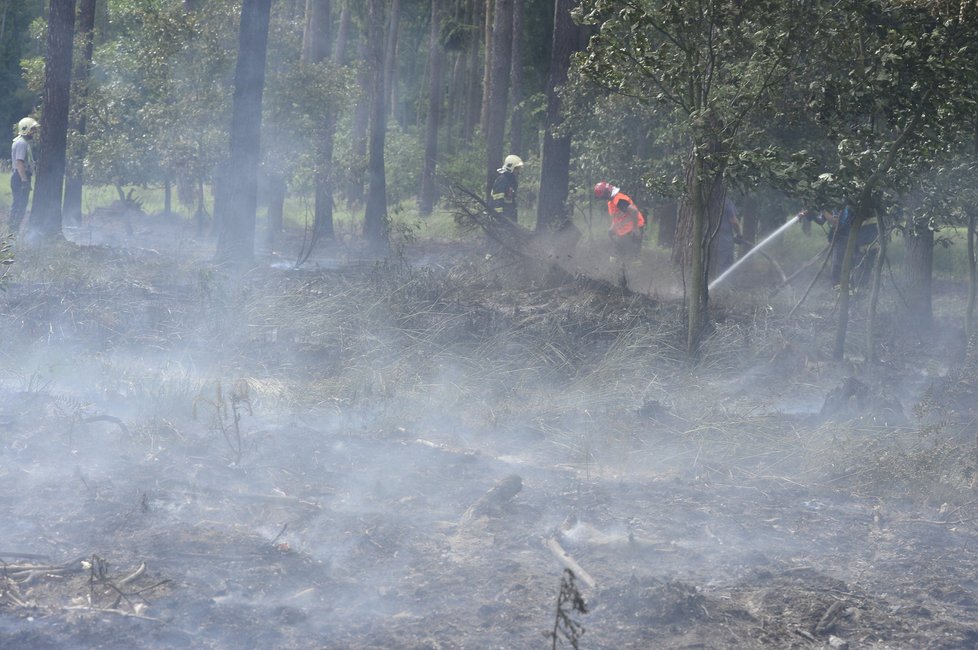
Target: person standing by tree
[
  {"x": 627, "y": 221},
  {"x": 502, "y": 197},
  {"x": 22, "y": 161}
]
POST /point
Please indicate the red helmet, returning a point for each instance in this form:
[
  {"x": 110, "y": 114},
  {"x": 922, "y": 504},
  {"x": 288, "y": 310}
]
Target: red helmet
[{"x": 602, "y": 190}]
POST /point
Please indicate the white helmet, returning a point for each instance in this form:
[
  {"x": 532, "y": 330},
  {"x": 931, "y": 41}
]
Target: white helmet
[
  {"x": 27, "y": 125},
  {"x": 510, "y": 163}
]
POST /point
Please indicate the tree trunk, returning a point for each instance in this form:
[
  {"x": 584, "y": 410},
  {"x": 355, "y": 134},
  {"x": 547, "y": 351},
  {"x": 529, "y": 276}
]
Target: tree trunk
[
  {"x": 502, "y": 42},
  {"x": 315, "y": 49},
  {"x": 275, "y": 216},
  {"x": 874, "y": 298},
  {"x": 316, "y": 34},
  {"x": 46, "y": 206},
  {"x": 342, "y": 33},
  {"x": 969, "y": 318},
  {"x": 358, "y": 138},
  {"x": 842, "y": 321},
  {"x": 919, "y": 241},
  {"x": 516, "y": 81},
  {"x": 555, "y": 165},
  {"x": 375, "y": 227},
  {"x": 75, "y": 170},
  {"x": 691, "y": 249},
  {"x": 474, "y": 85},
  {"x": 390, "y": 55},
  {"x": 427, "y": 198},
  {"x": 487, "y": 70},
  {"x": 236, "y": 240}
]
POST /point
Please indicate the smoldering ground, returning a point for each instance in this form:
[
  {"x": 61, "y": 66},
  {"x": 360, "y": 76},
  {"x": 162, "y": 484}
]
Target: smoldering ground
[{"x": 307, "y": 459}]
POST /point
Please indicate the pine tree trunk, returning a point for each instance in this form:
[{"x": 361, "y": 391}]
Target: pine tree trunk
[
  {"x": 427, "y": 198},
  {"x": 516, "y": 81},
  {"x": 75, "y": 170},
  {"x": 390, "y": 56},
  {"x": 489, "y": 40},
  {"x": 969, "y": 318},
  {"x": 358, "y": 137},
  {"x": 502, "y": 43},
  {"x": 555, "y": 165},
  {"x": 316, "y": 48},
  {"x": 919, "y": 240},
  {"x": 46, "y": 206},
  {"x": 236, "y": 239},
  {"x": 474, "y": 84},
  {"x": 375, "y": 227}
]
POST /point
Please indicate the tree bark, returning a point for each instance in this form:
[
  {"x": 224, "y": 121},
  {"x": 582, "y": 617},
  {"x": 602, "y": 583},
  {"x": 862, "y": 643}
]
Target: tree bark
[
  {"x": 48, "y": 193},
  {"x": 969, "y": 317},
  {"x": 375, "y": 226},
  {"x": 316, "y": 48},
  {"x": 342, "y": 33},
  {"x": 236, "y": 239},
  {"x": 427, "y": 197},
  {"x": 488, "y": 39},
  {"x": 390, "y": 55},
  {"x": 474, "y": 85},
  {"x": 919, "y": 242},
  {"x": 75, "y": 170},
  {"x": 316, "y": 34},
  {"x": 555, "y": 165},
  {"x": 358, "y": 137},
  {"x": 516, "y": 81},
  {"x": 502, "y": 43}
]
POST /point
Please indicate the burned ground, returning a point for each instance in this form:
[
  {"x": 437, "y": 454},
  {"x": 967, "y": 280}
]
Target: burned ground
[{"x": 410, "y": 454}]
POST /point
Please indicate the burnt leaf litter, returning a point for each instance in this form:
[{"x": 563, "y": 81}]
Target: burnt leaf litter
[{"x": 439, "y": 452}]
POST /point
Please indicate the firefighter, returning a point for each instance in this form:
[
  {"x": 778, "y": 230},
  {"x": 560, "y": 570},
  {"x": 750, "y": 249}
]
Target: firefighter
[
  {"x": 867, "y": 242},
  {"x": 627, "y": 221},
  {"x": 22, "y": 163},
  {"x": 502, "y": 197}
]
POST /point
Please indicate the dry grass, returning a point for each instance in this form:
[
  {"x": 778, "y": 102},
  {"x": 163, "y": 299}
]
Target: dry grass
[{"x": 468, "y": 348}]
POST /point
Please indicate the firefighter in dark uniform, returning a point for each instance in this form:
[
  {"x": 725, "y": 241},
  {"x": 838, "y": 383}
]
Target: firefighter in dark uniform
[{"x": 502, "y": 197}]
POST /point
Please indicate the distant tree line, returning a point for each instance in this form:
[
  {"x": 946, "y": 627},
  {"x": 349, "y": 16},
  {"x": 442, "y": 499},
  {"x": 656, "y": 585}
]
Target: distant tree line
[{"x": 366, "y": 104}]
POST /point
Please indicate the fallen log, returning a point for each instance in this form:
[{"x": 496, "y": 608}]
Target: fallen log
[
  {"x": 569, "y": 562},
  {"x": 492, "y": 502}
]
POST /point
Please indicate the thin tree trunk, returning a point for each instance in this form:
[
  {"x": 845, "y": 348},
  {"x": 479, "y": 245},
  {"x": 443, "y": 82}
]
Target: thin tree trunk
[
  {"x": 487, "y": 70},
  {"x": 75, "y": 170},
  {"x": 390, "y": 55},
  {"x": 236, "y": 240},
  {"x": 698, "y": 299},
  {"x": 316, "y": 34},
  {"x": 502, "y": 37},
  {"x": 316, "y": 48},
  {"x": 358, "y": 138},
  {"x": 375, "y": 227},
  {"x": 516, "y": 81},
  {"x": 555, "y": 165},
  {"x": 342, "y": 33},
  {"x": 919, "y": 241},
  {"x": 48, "y": 193},
  {"x": 474, "y": 85},
  {"x": 426, "y": 201},
  {"x": 871, "y": 353},
  {"x": 969, "y": 320}
]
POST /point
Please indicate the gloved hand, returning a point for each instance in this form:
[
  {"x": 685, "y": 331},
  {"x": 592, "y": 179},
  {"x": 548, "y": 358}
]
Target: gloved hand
[{"x": 811, "y": 215}]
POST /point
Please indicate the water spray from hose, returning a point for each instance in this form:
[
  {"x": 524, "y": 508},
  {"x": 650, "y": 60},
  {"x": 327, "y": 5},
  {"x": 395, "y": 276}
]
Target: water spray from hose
[{"x": 720, "y": 278}]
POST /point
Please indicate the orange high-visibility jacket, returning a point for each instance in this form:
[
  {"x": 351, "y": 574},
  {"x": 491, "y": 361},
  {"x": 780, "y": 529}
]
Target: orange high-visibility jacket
[{"x": 622, "y": 222}]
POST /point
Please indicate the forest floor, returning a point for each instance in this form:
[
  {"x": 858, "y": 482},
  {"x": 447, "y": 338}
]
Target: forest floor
[{"x": 411, "y": 454}]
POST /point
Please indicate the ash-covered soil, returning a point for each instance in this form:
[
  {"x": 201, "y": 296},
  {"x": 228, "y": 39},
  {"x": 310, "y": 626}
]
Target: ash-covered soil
[{"x": 412, "y": 455}]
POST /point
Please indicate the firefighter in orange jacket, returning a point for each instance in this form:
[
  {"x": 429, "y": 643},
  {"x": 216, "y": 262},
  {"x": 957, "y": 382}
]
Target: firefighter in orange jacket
[{"x": 627, "y": 221}]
